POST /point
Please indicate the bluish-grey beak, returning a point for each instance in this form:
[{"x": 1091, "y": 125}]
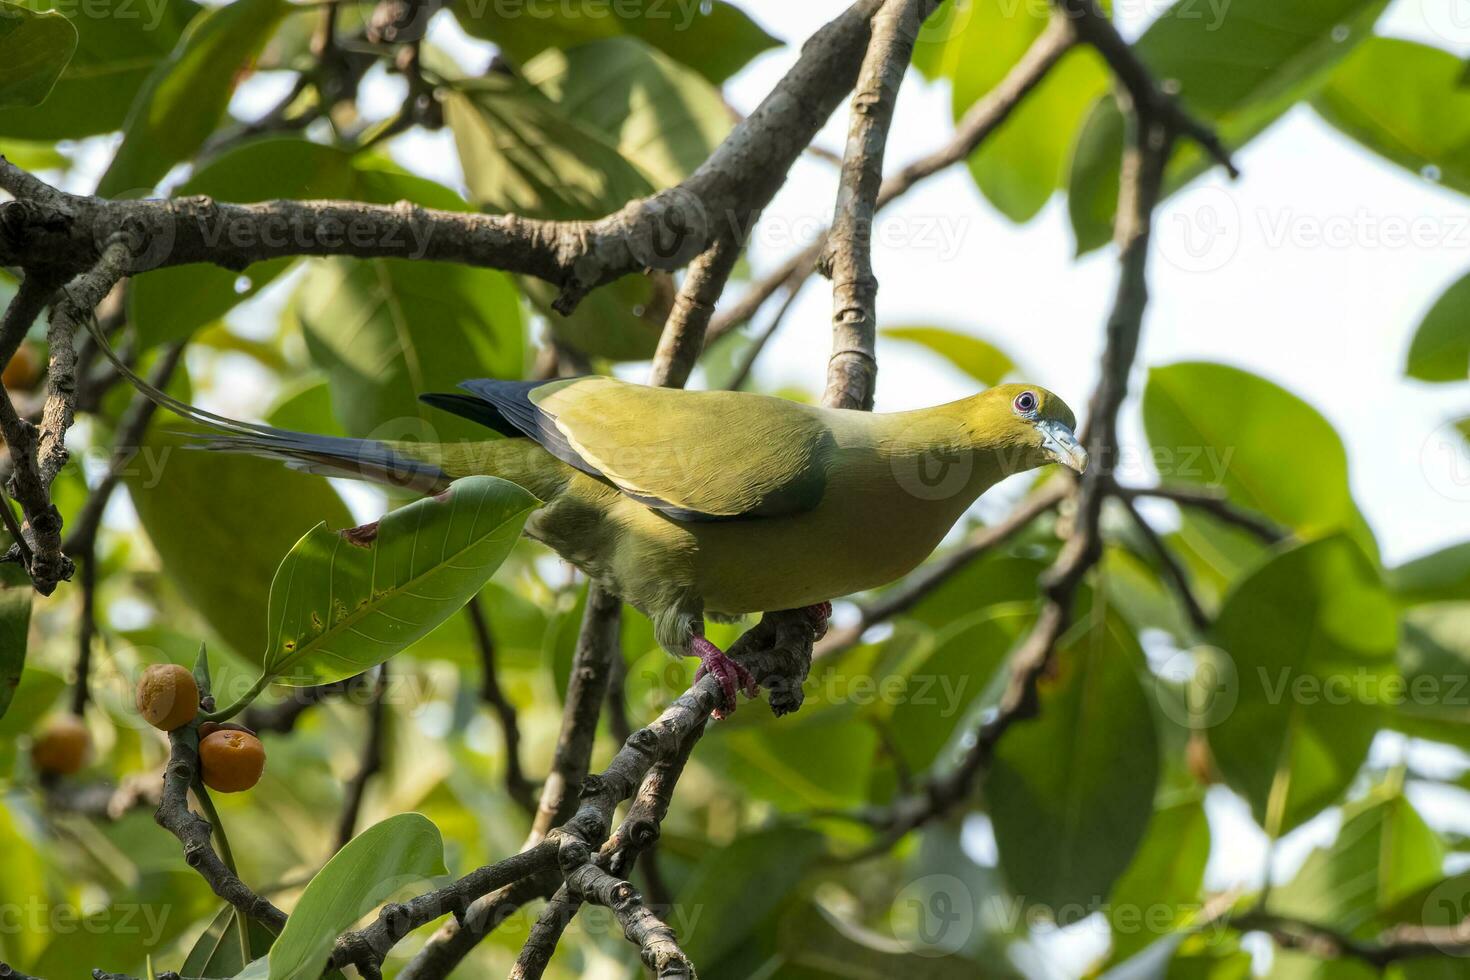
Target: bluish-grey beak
[{"x": 1061, "y": 445}]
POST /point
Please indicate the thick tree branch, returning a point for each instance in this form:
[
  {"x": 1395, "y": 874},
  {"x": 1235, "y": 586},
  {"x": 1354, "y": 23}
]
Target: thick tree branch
[
  {"x": 1395, "y": 945},
  {"x": 848, "y": 261},
  {"x": 45, "y": 228}
]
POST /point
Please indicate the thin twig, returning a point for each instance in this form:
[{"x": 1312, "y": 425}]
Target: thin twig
[
  {"x": 372, "y": 760},
  {"x": 1215, "y": 503},
  {"x": 1175, "y": 572},
  {"x": 516, "y": 784}
]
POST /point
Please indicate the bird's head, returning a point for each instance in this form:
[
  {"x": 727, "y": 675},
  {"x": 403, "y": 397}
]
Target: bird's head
[{"x": 1029, "y": 420}]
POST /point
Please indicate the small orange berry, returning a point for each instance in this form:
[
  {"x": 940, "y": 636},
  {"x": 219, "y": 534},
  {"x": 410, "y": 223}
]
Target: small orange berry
[
  {"x": 23, "y": 370},
  {"x": 167, "y": 696},
  {"x": 61, "y": 746},
  {"x": 231, "y": 761}
]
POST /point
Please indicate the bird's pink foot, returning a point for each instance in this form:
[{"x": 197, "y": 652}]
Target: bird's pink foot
[
  {"x": 820, "y": 615},
  {"x": 732, "y": 675}
]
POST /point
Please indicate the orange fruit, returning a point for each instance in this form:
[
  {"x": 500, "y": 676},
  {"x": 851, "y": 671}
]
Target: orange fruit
[
  {"x": 23, "y": 370},
  {"x": 167, "y": 696},
  {"x": 62, "y": 745},
  {"x": 231, "y": 761}
]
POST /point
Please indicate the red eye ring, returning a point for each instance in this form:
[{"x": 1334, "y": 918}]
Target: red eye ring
[{"x": 1025, "y": 403}]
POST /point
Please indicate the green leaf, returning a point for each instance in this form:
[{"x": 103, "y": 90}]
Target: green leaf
[
  {"x": 15, "y": 627},
  {"x": 1275, "y": 454},
  {"x": 186, "y": 96},
  {"x": 33, "y": 698},
  {"x": 1407, "y": 102},
  {"x": 1020, "y": 165},
  {"x": 388, "y": 330},
  {"x": 1383, "y": 854},
  {"x": 34, "y": 48},
  {"x": 715, "y": 38},
  {"x": 621, "y": 321},
  {"x": 736, "y": 885},
  {"x": 1071, "y": 792},
  {"x": 1441, "y": 347},
  {"x": 1434, "y": 656},
  {"x": 220, "y": 523},
  {"x": 1166, "y": 874},
  {"x": 661, "y": 116},
  {"x": 1441, "y": 576},
  {"x": 343, "y": 601},
  {"x": 1310, "y": 638},
  {"x": 820, "y": 761},
  {"x": 943, "y": 685},
  {"x": 173, "y": 302},
  {"x": 376, "y": 864},
  {"x": 1238, "y": 69},
  {"x": 120, "y": 42},
  {"x": 217, "y": 951},
  {"x": 978, "y": 358},
  {"x": 523, "y": 154}
]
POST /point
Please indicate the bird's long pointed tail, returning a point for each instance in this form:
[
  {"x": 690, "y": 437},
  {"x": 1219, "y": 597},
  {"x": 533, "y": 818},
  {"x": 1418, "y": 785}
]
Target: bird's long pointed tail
[{"x": 364, "y": 459}]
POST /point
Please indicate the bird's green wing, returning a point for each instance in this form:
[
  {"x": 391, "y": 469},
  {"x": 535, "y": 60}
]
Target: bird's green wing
[{"x": 696, "y": 455}]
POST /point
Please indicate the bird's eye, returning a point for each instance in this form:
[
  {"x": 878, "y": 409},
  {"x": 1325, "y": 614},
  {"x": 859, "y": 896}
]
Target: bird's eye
[{"x": 1025, "y": 403}]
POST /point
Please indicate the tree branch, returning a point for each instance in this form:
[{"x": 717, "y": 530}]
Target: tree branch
[
  {"x": 371, "y": 764},
  {"x": 982, "y": 119},
  {"x": 45, "y": 228},
  {"x": 848, "y": 261},
  {"x": 516, "y": 783}
]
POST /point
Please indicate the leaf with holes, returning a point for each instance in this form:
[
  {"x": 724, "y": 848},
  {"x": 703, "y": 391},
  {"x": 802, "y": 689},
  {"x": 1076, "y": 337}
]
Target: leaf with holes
[{"x": 343, "y": 601}]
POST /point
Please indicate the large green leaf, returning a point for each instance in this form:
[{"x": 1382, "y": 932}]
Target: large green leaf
[
  {"x": 662, "y": 116},
  {"x": 185, "y": 96},
  {"x": 343, "y": 601},
  {"x": 220, "y": 524},
  {"x": 1383, "y": 854},
  {"x": 34, "y": 48},
  {"x": 1310, "y": 638},
  {"x": 1161, "y": 888},
  {"x": 736, "y": 885},
  {"x": 978, "y": 358},
  {"x": 171, "y": 303},
  {"x": 388, "y": 330},
  {"x": 1238, "y": 66},
  {"x": 713, "y": 37},
  {"x": 1071, "y": 792},
  {"x": 1275, "y": 454},
  {"x": 1441, "y": 347},
  {"x": 120, "y": 43},
  {"x": 15, "y": 625},
  {"x": 621, "y": 321},
  {"x": 523, "y": 154},
  {"x": 220, "y": 951},
  {"x": 1434, "y": 701},
  {"x": 1440, "y": 576},
  {"x": 1018, "y": 167},
  {"x": 381, "y": 861},
  {"x": 1407, "y": 102},
  {"x": 941, "y": 686}
]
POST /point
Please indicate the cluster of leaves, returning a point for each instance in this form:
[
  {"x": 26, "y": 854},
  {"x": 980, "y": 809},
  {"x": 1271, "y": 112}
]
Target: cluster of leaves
[{"x": 1095, "y": 807}]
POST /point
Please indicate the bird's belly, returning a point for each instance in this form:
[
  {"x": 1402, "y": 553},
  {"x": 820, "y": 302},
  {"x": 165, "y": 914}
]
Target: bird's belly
[{"x": 786, "y": 563}]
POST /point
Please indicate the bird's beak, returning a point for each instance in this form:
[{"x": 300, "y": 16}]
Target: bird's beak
[{"x": 1059, "y": 444}]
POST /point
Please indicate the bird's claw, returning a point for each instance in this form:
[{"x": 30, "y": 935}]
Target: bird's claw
[
  {"x": 732, "y": 675},
  {"x": 820, "y": 615}
]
